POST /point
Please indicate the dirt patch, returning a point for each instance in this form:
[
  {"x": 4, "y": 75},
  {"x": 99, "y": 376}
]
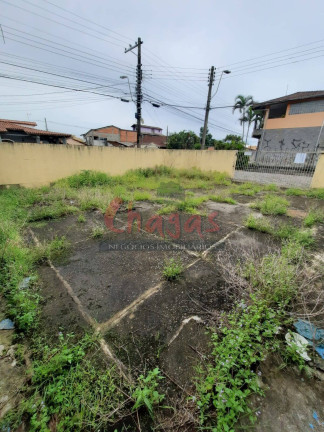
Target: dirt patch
[
  {"x": 295, "y": 213},
  {"x": 291, "y": 401}
]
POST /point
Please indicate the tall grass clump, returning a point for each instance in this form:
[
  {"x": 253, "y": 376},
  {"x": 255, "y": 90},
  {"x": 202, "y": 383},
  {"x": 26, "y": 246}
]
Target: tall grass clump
[
  {"x": 249, "y": 189},
  {"x": 313, "y": 217},
  {"x": 317, "y": 193},
  {"x": 282, "y": 231},
  {"x": 272, "y": 205},
  {"x": 89, "y": 179}
]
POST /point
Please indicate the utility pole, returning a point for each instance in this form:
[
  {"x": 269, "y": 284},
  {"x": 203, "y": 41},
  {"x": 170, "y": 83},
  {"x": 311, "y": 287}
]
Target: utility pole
[
  {"x": 139, "y": 96},
  {"x": 46, "y": 123},
  {"x": 210, "y": 85}
]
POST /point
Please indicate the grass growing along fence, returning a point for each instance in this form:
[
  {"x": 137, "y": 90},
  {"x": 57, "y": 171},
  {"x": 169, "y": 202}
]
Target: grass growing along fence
[{"x": 317, "y": 193}]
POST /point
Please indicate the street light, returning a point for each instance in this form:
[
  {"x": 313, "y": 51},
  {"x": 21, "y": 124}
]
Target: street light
[
  {"x": 226, "y": 71},
  {"x": 130, "y": 91}
]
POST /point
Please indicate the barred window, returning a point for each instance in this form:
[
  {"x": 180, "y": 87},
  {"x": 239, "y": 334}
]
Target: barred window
[{"x": 307, "y": 107}]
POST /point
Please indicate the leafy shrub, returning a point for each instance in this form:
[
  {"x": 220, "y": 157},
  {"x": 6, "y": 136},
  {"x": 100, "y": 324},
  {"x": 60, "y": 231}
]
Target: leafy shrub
[
  {"x": 70, "y": 385},
  {"x": 230, "y": 377},
  {"x": 146, "y": 394}
]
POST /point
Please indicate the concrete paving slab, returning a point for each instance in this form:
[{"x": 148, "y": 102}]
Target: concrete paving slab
[
  {"x": 144, "y": 335},
  {"x": 108, "y": 280},
  {"x": 69, "y": 227},
  {"x": 59, "y": 311}
]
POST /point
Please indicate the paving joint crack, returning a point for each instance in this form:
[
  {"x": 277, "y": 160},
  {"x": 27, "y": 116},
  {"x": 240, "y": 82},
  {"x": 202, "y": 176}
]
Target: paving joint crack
[{"x": 103, "y": 344}]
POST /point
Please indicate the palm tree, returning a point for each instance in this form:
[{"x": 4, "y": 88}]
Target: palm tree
[
  {"x": 242, "y": 103},
  {"x": 252, "y": 116}
]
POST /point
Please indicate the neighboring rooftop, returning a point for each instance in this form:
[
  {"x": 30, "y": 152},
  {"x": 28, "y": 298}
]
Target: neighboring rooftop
[
  {"x": 17, "y": 125},
  {"x": 298, "y": 96},
  {"x": 146, "y": 126}
]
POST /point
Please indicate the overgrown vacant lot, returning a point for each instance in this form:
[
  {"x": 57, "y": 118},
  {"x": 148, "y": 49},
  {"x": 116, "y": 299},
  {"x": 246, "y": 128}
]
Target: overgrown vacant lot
[{"x": 160, "y": 300}]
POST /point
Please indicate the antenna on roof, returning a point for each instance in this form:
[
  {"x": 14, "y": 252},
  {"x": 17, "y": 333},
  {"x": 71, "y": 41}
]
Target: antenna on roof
[{"x": 286, "y": 89}]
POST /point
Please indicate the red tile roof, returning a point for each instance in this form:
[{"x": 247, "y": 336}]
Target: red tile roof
[
  {"x": 6, "y": 125},
  {"x": 27, "y": 123}
]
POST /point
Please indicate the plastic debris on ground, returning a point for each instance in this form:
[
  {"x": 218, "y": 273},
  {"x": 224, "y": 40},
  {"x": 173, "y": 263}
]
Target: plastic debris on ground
[
  {"x": 295, "y": 339},
  {"x": 312, "y": 334},
  {"x": 7, "y": 324},
  {"x": 26, "y": 282}
]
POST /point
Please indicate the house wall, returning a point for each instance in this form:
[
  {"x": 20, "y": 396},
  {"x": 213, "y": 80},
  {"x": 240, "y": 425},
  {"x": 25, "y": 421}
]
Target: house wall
[
  {"x": 111, "y": 134},
  {"x": 294, "y": 120},
  {"x": 292, "y": 139},
  {"x": 294, "y": 132},
  {"x": 32, "y": 165}
]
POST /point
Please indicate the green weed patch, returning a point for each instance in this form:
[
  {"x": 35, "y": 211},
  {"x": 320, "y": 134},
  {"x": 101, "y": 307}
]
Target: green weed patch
[{"x": 272, "y": 205}]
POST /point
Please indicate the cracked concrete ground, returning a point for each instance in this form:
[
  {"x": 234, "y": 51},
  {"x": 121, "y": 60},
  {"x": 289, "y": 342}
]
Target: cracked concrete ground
[{"x": 142, "y": 319}]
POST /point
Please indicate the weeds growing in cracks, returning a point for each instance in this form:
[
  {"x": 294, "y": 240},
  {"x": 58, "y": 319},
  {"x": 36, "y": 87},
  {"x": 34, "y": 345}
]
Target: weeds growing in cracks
[{"x": 245, "y": 336}]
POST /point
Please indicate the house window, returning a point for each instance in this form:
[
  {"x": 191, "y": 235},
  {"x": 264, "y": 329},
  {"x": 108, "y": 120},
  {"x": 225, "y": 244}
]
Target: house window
[
  {"x": 277, "y": 110},
  {"x": 307, "y": 107}
]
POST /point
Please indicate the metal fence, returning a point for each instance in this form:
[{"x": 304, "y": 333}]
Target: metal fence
[{"x": 279, "y": 167}]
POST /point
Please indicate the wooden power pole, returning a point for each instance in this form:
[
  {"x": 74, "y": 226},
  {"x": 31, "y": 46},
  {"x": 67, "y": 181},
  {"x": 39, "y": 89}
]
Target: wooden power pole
[
  {"x": 139, "y": 95},
  {"x": 210, "y": 86}
]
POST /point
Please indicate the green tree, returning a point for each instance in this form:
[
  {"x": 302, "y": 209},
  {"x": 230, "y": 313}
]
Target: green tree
[
  {"x": 251, "y": 116},
  {"x": 209, "y": 137},
  {"x": 242, "y": 103},
  {"x": 230, "y": 142},
  {"x": 184, "y": 140}
]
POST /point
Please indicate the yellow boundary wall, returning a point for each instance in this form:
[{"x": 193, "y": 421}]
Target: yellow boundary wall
[
  {"x": 318, "y": 177},
  {"x": 32, "y": 165}
]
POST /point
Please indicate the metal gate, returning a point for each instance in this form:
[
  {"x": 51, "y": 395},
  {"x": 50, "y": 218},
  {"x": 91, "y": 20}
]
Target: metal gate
[{"x": 287, "y": 169}]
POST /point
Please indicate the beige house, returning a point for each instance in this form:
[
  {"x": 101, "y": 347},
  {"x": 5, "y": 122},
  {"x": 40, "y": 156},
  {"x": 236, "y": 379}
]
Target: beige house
[{"x": 292, "y": 123}]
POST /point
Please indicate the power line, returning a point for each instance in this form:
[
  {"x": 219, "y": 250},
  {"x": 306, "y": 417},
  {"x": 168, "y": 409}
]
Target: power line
[
  {"x": 87, "y": 20},
  {"x": 58, "y": 86},
  {"x": 51, "y": 73},
  {"x": 102, "y": 56},
  {"x": 72, "y": 55},
  {"x": 57, "y": 22}
]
